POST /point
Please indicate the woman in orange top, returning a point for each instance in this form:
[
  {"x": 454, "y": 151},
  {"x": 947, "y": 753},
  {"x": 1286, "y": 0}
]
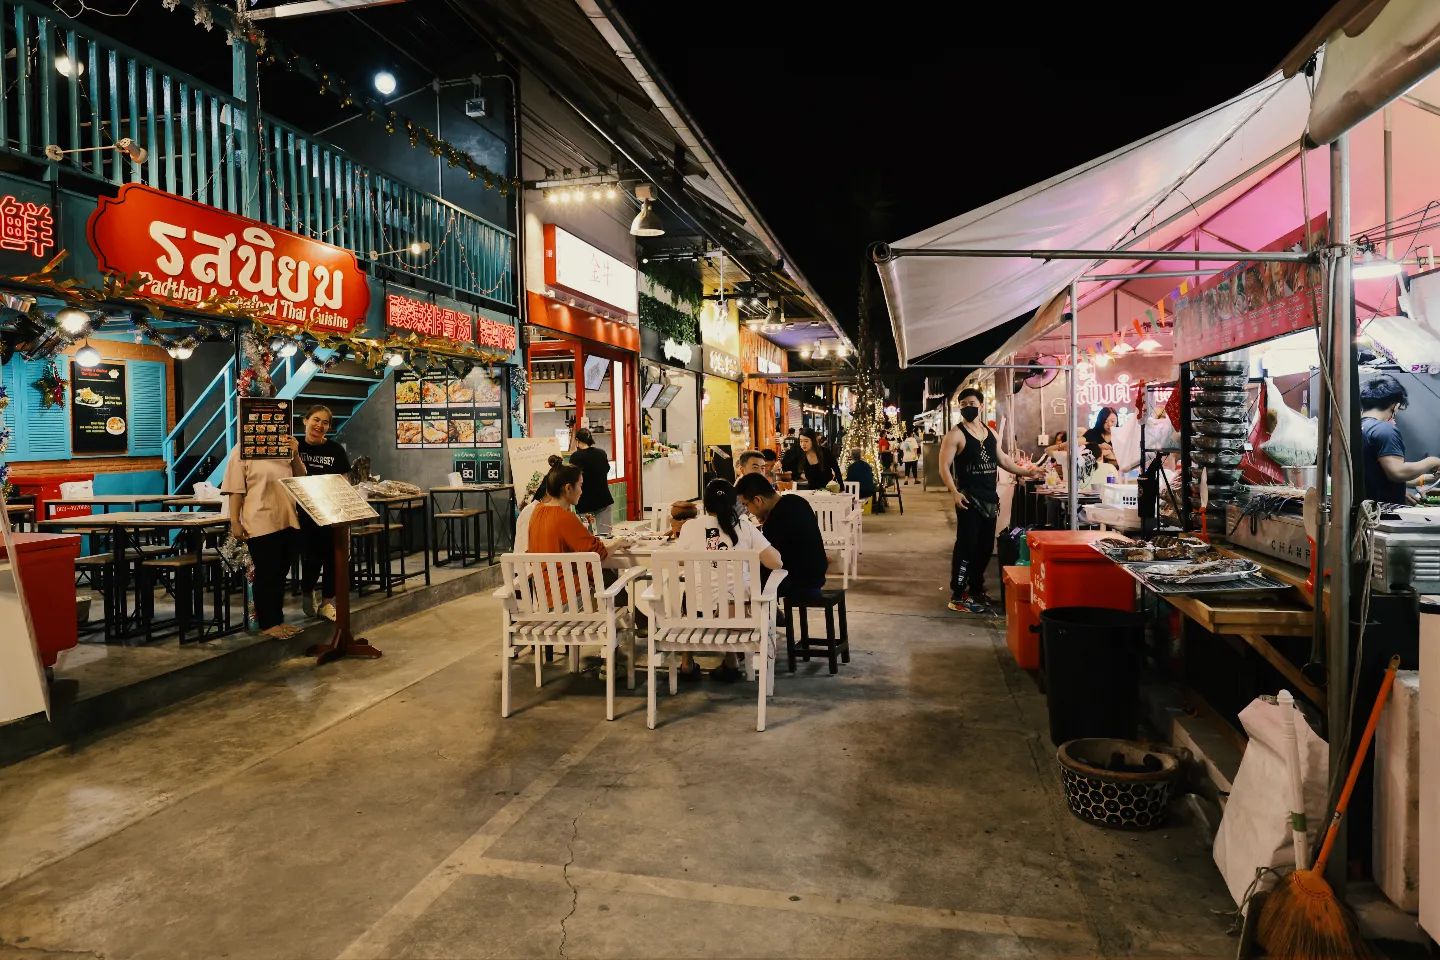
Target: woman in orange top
[{"x": 554, "y": 526}]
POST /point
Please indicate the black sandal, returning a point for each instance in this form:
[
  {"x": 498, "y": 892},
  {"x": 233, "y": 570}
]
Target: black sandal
[
  {"x": 726, "y": 674},
  {"x": 693, "y": 673}
]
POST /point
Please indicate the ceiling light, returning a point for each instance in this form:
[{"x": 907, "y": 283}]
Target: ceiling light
[
  {"x": 1376, "y": 268},
  {"x": 1122, "y": 348},
  {"x": 564, "y": 196},
  {"x": 805, "y": 352},
  {"x": 821, "y": 352},
  {"x": 842, "y": 351},
  {"x": 1102, "y": 359},
  {"x": 646, "y": 222},
  {"x": 72, "y": 320},
  {"x": 87, "y": 356},
  {"x": 418, "y": 247},
  {"x": 288, "y": 348},
  {"x": 69, "y": 68},
  {"x": 394, "y": 360},
  {"x": 385, "y": 83},
  {"x": 1149, "y": 344},
  {"x": 611, "y": 193}
]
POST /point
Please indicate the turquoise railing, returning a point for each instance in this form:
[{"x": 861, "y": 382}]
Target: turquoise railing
[
  {"x": 72, "y": 88},
  {"x": 210, "y": 422}
]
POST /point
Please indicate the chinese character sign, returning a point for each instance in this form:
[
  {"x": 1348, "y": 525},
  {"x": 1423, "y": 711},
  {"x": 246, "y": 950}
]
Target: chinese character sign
[
  {"x": 428, "y": 319},
  {"x": 191, "y": 252},
  {"x": 25, "y": 226}
]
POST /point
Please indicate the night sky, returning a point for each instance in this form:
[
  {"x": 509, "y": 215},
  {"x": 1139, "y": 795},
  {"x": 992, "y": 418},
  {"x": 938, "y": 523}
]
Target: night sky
[{"x": 848, "y": 130}]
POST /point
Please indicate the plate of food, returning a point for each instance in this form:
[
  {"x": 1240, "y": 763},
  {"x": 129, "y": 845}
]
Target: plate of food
[
  {"x": 460, "y": 392},
  {"x": 86, "y": 397},
  {"x": 436, "y": 431},
  {"x": 490, "y": 433},
  {"x": 407, "y": 431},
  {"x": 432, "y": 393},
  {"x": 407, "y": 391},
  {"x": 462, "y": 431},
  {"x": 115, "y": 426}
]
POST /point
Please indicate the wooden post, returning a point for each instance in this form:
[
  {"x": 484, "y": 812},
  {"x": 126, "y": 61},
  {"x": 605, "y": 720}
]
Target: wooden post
[{"x": 342, "y": 643}]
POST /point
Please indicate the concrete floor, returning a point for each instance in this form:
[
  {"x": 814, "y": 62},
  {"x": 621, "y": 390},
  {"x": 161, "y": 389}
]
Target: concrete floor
[{"x": 909, "y": 807}]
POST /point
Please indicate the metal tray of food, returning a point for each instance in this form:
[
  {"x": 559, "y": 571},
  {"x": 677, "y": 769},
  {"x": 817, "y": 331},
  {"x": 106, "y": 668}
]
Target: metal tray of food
[
  {"x": 1217, "y": 367},
  {"x": 1224, "y": 413},
  {"x": 1227, "y": 459},
  {"x": 1213, "y": 571},
  {"x": 1236, "y": 444},
  {"x": 1163, "y": 549},
  {"x": 1219, "y": 428},
  {"x": 1209, "y": 382}
]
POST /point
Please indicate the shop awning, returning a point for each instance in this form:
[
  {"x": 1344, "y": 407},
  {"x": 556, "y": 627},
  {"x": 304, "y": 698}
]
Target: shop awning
[{"x": 1140, "y": 196}]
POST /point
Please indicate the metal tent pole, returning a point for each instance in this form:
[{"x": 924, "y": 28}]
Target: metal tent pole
[
  {"x": 1342, "y": 496},
  {"x": 1072, "y": 442}
]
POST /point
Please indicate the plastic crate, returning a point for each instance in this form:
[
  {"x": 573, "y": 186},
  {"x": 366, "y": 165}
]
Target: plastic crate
[{"x": 1119, "y": 494}]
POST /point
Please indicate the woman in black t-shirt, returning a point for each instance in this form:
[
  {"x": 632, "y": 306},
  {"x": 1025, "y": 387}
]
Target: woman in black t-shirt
[
  {"x": 595, "y": 496},
  {"x": 321, "y": 455}
]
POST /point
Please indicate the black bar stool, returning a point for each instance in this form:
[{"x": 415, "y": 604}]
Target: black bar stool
[
  {"x": 461, "y": 528},
  {"x": 834, "y": 646}
]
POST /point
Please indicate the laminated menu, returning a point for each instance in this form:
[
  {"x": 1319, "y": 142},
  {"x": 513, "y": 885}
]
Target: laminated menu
[
  {"x": 264, "y": 429},
  {"x": 329, "y": 499}
]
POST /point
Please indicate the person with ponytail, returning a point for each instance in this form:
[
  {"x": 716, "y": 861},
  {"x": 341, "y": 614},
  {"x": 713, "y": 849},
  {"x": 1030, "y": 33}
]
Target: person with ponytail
[
  {"x": 540, "y": 496},
  {"x": 721, "y": 527},
  {"x": 555, "y": 527}
]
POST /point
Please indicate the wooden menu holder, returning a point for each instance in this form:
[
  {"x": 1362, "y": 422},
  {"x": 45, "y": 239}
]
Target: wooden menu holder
[{"x": 342, "y": 643}]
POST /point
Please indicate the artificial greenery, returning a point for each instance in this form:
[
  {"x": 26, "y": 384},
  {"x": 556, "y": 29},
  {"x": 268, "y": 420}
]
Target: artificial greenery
[
  {"x": 670, "y": 323},
  {"x": 680, "y": 277}
]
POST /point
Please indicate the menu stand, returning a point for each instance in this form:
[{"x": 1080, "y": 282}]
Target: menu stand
[
  {"x": 331, "y": 502},
  {"x": 342, "y": 643}
]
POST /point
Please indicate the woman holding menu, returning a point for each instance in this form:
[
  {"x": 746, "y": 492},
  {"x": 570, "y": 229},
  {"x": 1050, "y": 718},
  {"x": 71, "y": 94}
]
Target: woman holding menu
[
  {"x": 263, "y": 515},
  {"x": 317, "y": 544}
]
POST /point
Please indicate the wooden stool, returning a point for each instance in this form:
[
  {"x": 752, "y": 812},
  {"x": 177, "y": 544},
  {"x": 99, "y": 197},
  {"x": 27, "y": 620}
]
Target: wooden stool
[
  {"x": 834, "y": 646},
  {"x": 364, "y": 568},
  {"x": 94, "y": 571},
  {"x": 183, "y": 570},
  {"x": 465, "y": 520},
  {"x": 890, "y": 486}
]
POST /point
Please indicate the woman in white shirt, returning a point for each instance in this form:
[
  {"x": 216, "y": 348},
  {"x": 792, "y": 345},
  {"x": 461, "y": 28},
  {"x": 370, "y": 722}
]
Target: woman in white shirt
[
  {"x": 721, "y": 527},
  {"x": 522, "y": 522}
]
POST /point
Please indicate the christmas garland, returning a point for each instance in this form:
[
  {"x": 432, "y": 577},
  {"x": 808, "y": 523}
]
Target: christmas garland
[
  {"x": 670, "y": 323},
  {"x": 4, "y": 445}
]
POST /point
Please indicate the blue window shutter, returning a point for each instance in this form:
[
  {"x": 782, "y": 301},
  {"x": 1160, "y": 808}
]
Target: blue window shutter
[
  {"x": 12, "y": 414},
  {"x": 46, "y": 431},
  {"x": 146, "y": 382}
]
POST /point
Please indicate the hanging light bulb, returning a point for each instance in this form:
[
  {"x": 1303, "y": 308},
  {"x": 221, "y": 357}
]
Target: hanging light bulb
[
  {"x": 288, "y": 348},
  {"x": 1122, "y": 348},
  {"x": 69, "y": 68},
  {"x": 418, "y": 247},
  {"x": 805, "y": 352},
  {"x": 1149, "y": 345},
  {"x": 385, "y": 83},
  {"x": 87, "y": 356},
  {"x": 842, "y": 351},
  {"x": 72, "y": 320},
  {"x": 394, "y": 360}
]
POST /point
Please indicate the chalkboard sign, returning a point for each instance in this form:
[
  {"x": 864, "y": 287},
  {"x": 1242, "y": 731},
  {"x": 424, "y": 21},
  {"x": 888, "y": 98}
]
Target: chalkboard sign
[
  {"x": 264, "y": 429},
  {"x": 99, "y": 421}
]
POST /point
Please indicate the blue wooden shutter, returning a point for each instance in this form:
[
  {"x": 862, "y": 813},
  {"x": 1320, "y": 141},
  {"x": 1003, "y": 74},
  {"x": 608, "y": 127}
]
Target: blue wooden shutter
[
  {"x": 12, "y": 415},
  {"x": 46, "y": 431},
  {"x": 146, "y": 383}
]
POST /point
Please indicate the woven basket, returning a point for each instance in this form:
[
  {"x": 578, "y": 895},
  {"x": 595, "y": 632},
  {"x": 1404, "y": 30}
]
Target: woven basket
[{"x": 1122, "y": 801}]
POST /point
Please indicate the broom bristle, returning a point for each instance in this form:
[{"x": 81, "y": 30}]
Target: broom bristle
[{"x": 1302, "y": 919}]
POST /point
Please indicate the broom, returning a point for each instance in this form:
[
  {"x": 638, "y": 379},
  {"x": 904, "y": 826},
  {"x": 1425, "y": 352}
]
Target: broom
[{"x": 1302, "y": 919}]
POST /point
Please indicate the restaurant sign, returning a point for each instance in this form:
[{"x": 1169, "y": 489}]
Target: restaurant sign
[
  {"x": 30, "y": 231},
  {"x": 718, "y": 363},
  {"x": 191, "y": 252},
  {"x": 1248, "y": 303}
]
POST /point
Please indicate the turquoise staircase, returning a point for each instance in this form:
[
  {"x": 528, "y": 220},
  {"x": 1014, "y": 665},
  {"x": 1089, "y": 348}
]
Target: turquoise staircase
[{"x": 196, "y": 450}]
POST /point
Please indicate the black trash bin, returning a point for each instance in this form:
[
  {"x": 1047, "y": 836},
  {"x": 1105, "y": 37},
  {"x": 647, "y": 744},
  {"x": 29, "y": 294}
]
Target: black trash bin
[{"x": 1090, "y": 659}]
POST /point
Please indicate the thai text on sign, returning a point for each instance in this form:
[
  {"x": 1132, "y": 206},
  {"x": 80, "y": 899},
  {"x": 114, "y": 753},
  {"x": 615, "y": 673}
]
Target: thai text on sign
[{"x": 191, "y": 252}]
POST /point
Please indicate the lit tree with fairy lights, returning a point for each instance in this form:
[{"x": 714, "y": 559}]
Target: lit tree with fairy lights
[{"x": 867, "y": 413}]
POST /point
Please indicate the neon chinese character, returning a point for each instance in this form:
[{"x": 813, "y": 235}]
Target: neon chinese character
[{"x": 25, "y": 225}]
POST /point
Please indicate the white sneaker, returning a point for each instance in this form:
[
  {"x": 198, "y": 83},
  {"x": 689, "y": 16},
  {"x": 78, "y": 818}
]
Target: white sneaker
[
  {"x": 327, "y": 610},
  {"x": 310, "y": 602}
]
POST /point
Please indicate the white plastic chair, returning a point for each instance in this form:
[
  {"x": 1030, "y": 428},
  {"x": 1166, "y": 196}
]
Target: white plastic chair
[
  {"x": 838, "y": 521},
  {"x": 558, "y": 600},
  {"x": 711, "y": 601}
]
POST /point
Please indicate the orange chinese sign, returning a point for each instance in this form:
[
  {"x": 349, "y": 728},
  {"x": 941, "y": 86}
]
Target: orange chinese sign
[
  {"x": 191, "y": 252},
  {"x": 25, "y": 226}
]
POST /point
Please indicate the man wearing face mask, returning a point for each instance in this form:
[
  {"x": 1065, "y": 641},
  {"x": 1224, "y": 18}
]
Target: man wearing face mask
[{"x": 969, "y": 456}]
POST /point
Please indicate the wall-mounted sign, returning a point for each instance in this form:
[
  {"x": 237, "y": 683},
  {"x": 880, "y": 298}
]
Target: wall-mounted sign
[
  {"x": 26, "y": 226},
  {"x": 191, "y": 252},
  {"x": 438, "y": 410},
  {"x": 718, "y": 363},
  {"x": 428, "y": 319},
  {"x": 587, "y": 271},
  {"x": 681, "y": 353},
  {"x": 265, "y": 429},
  {"x": 99, "y": 424},
  {"x": 1249, "y": 303},
  {"x": 481, "y": 466},
  {"x": 494, "y": 333}
]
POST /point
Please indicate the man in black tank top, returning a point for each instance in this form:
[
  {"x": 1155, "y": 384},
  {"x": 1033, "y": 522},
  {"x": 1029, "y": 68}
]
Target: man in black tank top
[{"x": 969, "y": 457}]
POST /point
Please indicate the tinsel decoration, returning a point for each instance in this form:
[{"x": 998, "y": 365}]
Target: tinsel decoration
[
  {"x": 254, "y": 380},
  {"x": 4, "y": 445},
  {"x": 867, "y": 414},
  {"x": 51, "y": 386}
]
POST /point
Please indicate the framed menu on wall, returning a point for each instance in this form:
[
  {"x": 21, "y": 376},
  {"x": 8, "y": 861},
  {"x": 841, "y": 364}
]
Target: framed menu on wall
[
  {"x": 438, "y": 410},
  {"x": 99, "y": 420},
  {"x": 264, "y": 429}
]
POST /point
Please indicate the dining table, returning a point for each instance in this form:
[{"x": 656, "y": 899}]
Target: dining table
[
  {"x": 124, "y": 529},
  {"x": 105, "y": 501}
]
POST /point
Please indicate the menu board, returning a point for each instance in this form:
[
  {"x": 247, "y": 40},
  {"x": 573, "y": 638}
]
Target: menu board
[
  {"x": 438, "y": 410},
  {"x": 99, "y": 425},
  {"x": 329, "y": 499},
  {"x": 264, "y": 429}
]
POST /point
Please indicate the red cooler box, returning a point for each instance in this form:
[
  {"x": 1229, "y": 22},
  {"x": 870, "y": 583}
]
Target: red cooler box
[
  {"x": 1067, "y": 572},
  {"x": 1020, "y": 637},
  {"x": 46, "y": 563}
]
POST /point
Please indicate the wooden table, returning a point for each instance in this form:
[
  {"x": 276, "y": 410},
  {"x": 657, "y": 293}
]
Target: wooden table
[
  {"x": 120, "y": 526},
  {"x": 132, "y": 500},
  {"x": 459, "y": 493},
  {"x": 403, "y": 505}
]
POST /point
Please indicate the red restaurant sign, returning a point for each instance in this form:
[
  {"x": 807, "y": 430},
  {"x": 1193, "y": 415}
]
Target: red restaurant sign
[
  {"x": 432, "y": 320},
  {"x": 191, "y": 252},
  {"x": 1251, "y": 302}
]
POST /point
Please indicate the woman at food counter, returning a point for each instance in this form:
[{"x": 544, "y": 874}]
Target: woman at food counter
[
  {"x": 263, "y": 516},
  {"x": 321, "y": 456},
  {"x": 1098, "y": 437}
]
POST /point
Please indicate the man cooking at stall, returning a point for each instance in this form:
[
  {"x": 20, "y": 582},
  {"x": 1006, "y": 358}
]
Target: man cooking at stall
[{"x": 1387, "y": 472}]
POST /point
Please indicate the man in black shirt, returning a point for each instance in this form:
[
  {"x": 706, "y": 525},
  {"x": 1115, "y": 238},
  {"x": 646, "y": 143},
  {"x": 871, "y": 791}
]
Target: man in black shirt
[
  {"x": 321, "y": 455},
  {"x": 790, "y": 526}
]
